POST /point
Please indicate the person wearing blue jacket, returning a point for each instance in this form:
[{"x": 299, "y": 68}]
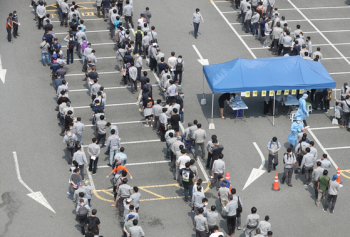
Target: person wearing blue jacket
[
  {"x": 302, "y": 110},
  {"x": 295, "y": 128}
]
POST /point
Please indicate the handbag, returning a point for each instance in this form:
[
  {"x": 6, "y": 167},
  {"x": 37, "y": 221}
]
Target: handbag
[{"x": 335, "y": 121}]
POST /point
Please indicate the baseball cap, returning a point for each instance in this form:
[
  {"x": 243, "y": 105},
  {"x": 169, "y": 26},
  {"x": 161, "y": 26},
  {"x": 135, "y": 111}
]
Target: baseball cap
[
  {"x": 81, "y": 200},
  {"x": 83, "y": 37},
  {"x": 131, "y": 217},
  {"x": 44, "y": 38},
  {"x": 79, "y": 183}
]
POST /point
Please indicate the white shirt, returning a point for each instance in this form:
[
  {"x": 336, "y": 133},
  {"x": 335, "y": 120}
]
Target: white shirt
[
  {"x": 216, "y": 234},
  {"x": 172, "y": 90},
  {"x": 182, "y": 161},
  {"x": 140, "y": 22},
  {"x": 172, "y": 61}
]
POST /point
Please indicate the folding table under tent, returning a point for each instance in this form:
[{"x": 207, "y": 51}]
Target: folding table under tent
[{"x": 266, "y": 74}]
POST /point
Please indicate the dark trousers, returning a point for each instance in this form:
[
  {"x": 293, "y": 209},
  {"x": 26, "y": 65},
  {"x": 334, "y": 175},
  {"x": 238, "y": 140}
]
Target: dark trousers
[
  {"x": 305, "y": 124},
  {"x": 231, "y": 224},
  {"x": 153, "y": 64},
  {"x": 216, "y": 180},
  {"x": 101, "y": 137},
  {"x": 120, "y": 9},
  {"x": 98, "y": 8},
  {"x": 286, "y": 50},
  {"x": 210, "y": 156},
  {"x": 69, "y": 55},
  {"x": 190, "y": 142},
  {"x": 156, "y": 123},
  {"x": 255, "y": 28},
  {"x": 128, "y": 19},
  {"x": 316, "y": 190},
  {"x": 180, "y": 77},
  {"x": 326, "y": 104},
  {"x": 162, "y": 132},
  {"x": 248, "y": 26},
  {"x": 70, "y": 153},
  {"x": 9, "y": 36},
  {"x": 201, "y": 233},
  {"x": 287, "y": 172},
  {"x": 138, "y": 73},
  {"x": 133, "y": 84},
  {"x": 266, "y": 107},
  {"x": 82, "y": 224},
  {"x": 275, "y": 45},
  {"x": 81, "y": 167},
  {"x": 273, "y": 157},
  {"x": 121, "y": 204},
  {"x": 145, "y": 51},
  {"x": 318, "y": 99},
  {"x": 299, "y": 159},
  {"x": 78, "y": 49},
  {"x": 345, "y": 119},
  {"x": 196, "y": 26},
  {"x": 106, "y": 12},
  {"x": 269, "y": 11},
  {"x": 93, "y": 165},
  {"x": 40, "y": 22},
  {"x": 196, "y": 149},
  {"x": 211, "y": 229},
  {"x": 333, "y": 199},
  {"x": 280, "y": 47},
  {"x": 308, "y": 174},
  {"x": 64, "y": 19},
  {"x": 126, "y": 79},
  {"x": 312, "y": 94},
  {"x": 15, "y": 30},
  {"x": 138, "y": 45}
]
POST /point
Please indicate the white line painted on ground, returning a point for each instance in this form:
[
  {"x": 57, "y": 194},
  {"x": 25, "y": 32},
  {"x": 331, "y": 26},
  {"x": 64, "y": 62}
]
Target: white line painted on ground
[
  {"x": 142, "y": 163},
  {"x": 142, "y": 121},
  {"x": 89, "y": 31},
  {"x": 89, "y": 173},
  {"x": 335, "y": 48},
  {"x": 339, "y": 73},
  {"x": 134, "y": 142},
  {"x": 83, "y": 74},
  {"x": 256, "y": 173},
  {"x": 65, "y": 46},
  {"x": 108, "y": 105},
  {"x": 314, "y": 46},
  {"x": 37, "y": 196},
  {"x": 337, "y": 148},
  {"x": 234, "y": 30},
  {"x": 79, "y": 59},
  {"x": 312, "y": 8},
  {"x": 322, "y": 148},
  {"x": 323, "y": 128},
  {"x": 106, "y": 88},
  {"x": 201, "y": 59}
]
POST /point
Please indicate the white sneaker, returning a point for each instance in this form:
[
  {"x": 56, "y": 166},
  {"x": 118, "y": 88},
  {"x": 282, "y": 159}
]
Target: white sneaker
[
  {"x": 307, "y": 126},
  {"x": 239, "y": 227},
  {"x": 146, "y": 125}
]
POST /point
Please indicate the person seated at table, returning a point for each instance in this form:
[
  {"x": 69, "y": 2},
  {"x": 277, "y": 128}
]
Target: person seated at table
[{"x": 222, "y": 99}]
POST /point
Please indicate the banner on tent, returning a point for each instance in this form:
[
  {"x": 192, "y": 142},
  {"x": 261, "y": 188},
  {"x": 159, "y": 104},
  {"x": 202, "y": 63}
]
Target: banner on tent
[{"x": 271, "y": 93}]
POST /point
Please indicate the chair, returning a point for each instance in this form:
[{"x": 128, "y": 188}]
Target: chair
[
  {"x": 186, "y": 145},
  {"x": 291, "y": 116},
  {"x": 308, "y": 107},
  {"x": 238, "y": 113}
]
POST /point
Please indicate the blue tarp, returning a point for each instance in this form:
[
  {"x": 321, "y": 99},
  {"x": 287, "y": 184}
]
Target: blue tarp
[{"x": 279, "y": 73}]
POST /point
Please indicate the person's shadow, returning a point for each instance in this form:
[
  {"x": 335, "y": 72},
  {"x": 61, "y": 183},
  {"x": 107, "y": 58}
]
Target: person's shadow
[{"x": 8, "y": 208}]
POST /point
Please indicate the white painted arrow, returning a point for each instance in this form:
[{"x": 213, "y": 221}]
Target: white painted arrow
[
  {"x": 256, "y": 173},
  {"x": 2, "y": 72},
  {"x": 201, "y": 60},
  {"x": 37, "y": 196}
]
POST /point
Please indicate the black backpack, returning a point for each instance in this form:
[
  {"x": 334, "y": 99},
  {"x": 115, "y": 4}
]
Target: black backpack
[
  {"x": 138, "y": 36},
  {"x": 178, "y": 66},
  {"x": 71, "y": 45},
  {"x": 83, "y": 211},
  {"x": 239, "y": 208}
]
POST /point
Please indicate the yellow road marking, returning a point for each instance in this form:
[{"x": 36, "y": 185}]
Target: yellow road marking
[
  {"x": 152, "y": 193},
  {"x": 347, "y": 171},
  {"x": 107, "y": 192},
  {"x": 101, "y": 198}
]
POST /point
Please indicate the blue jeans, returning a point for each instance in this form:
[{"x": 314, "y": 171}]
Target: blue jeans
[
  {"x": 255, "y": 28},
  {"x": 79, "y": 136},
  {"x": 186, "y": 189},
  {"x": 69, "y": 55},
  {"x": 196, "y": 26},
  {"x": 83, "y": 57},
  {"x": 180, "y": 77},
  {"x": 46, "y": 58},
  {"x": 182, "y": 116},
  {"x": 112, "y": 153},
  {"x": 167, "y": 150},
  {"x": 124, "y": 161},
  {"x": 60, "y": 12},
  {"x": 183, "y": 138}
]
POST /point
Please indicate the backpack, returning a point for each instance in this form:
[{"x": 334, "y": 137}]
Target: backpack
[
  {"x": 116, "y": 178},
  {"x": 127, "y": 66},
  {"x": 186, "y": 175},
  {"x": 178, "y": 66},
  {"x": 276, "y": 142},
  {"x": 260, "y": 10},
  {"x": 83, "y": 211},
  {"x": 70, "y": 142},
  {"x": 71, "y": 45},
  {"x": 239, "y": 208},
  {"x": 138, "y": 36}
]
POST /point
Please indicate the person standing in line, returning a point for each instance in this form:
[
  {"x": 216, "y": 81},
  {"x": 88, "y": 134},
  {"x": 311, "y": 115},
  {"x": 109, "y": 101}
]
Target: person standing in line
[
  {"x": 106, "y": 5},
  {"x": 179, "y": 69},
  {"x": 93, "y": 221},
  {"x": 325, "y": 163},
  {"x": 289, "y": 161},
  {"x": 251, "y": 223},
  {"x": 88, "y": 191},
  {"x": 201, "y": 224},
  {"x": 138, "y": 65},
  {"x": 316, "y": 174},
  {"x": 199, "y": 137},
  {"x": 196, "y": 19},
  {"x": 197, "y": 198},
  {"x": 41, "y": 11},
  {"x": 157, "y": 111},
  {"x": 124, "y": 192},
  {"x": 163, "y": 119},
  {"x": 101, "y": 130},
  {"x": 333, "y": 189},
  {"x": 94, "y": 152},
  {"x": 270, "y": 4},
  {"x": 216, "y": 152},
  {"x": 15, "y": 24},
  {"x": 45, "y": 47},
  {"x": 80, "y": 36},
  {"x": 136, "y": 231},
  {"x": 133, "y": 77},
  {"x": 322, "y": 186},
  {"x": 212, "y": 217},
  {"x": 231, "y": 211},
  {"x": 9, "y": 27},
  {"x": 300, "y": 149},
  {"x": 264, "y": 226},
  {"x": 273, "y": 146},
  {"x": 135, "y": 197},
  {"x": 147, "y": 14},
  {"x": 79, "y": 128},
  {"x": 217, "y": 171},
  {"x": 70, "y": 140},
  {"x": 79, "y": 157},
  {"x": 255, "y": 26},
  {"x": 70, "y": 47},
  {"x": 187, "y": 180},
  {"x": 309, "y": 46},
  {"x": 82, "y": 212},
  {"x": 248, "y": 20},
  {"x": 128, "y": 13},
  {"x": 216, "y": 233},
  {"x": 112, "y": 144},
  {"x": 65, "y": 10},
  {"x": 308, "y": 162},
  {"x": 192, "y": 129}
]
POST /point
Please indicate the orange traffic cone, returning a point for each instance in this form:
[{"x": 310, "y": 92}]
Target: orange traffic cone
[
  {"x": 276, "y": 184},
  {"x": 228, "y": 176},
  {"x": 338, "y": 173}
]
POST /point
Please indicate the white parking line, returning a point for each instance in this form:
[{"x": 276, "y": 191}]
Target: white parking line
[
  {"x": 322, "y": 148},
  {"x": 314, "y": 45},
  {"x": 301, "y": 8},
  {"x": 89, "y": 31},
  {"x": 339, "y": 73},
  {"x": 335, "y": 48},
  {"x": 65, "y": 46},
  {"x": 108, "y": 105},
  {"x": 79, "y": 59},
  {"x": 143, "y": 163},
  {"x": 134, "y": 142},
  {"x": 83, "y": 74},
  {"x": 336, "y": 148},
  {"x": 89, "y": 173},
  {"x": 314, "y": 32},
  {"x": 323, "y": 128}
]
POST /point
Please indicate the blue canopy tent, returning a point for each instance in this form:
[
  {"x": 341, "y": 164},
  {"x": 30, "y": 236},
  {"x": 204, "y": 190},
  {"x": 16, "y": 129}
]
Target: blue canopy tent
[{"x": 278, "y": 73}]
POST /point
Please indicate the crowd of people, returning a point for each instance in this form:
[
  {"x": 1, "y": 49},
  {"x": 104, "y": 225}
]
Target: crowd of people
[{"x": 166, "y": 119}]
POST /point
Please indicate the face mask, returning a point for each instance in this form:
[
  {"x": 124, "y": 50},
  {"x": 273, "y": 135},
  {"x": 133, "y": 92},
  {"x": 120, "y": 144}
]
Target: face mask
[
  {"x": 205, "y": 204},
  {"x": 298, "y": 121}
]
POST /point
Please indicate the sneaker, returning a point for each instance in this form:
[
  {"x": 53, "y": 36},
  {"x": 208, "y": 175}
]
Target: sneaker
[
  {"x": 307, "y": 126},
  {"x": 109, "y": 164},
  {"x": 324, "y": 210},
  {"x": 140, "y": 110},
  {"x": 186, "y": 202},
  {"x": 94, "y": 174},
  {"x": 306, "y": 184},
  {"x": 239, "y": 227},
  {"x": 291, "y": 186},
  {"x": 68, "y": 193}
]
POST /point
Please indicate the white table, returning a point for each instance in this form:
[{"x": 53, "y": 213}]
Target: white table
[
  {"x": 239, "y": 106},
  {"x": 292, "y": 102}
]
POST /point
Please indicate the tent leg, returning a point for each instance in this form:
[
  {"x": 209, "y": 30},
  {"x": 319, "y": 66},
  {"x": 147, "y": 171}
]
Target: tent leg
[
  {"x": 273, "y": 114},
  {"x": 211, "y": 125},
  {"x": 203, "y": 101}
]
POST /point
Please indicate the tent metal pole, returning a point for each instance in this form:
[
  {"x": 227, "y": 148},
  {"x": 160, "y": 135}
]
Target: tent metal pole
[
  {"x": 212, "y": 108},
  {"x": 273, "y": 114},
  {"x": 203, "y": 85}
]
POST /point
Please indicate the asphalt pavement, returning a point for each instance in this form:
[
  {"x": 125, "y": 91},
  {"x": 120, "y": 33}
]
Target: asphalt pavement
[{"x": 30, "y": 129}]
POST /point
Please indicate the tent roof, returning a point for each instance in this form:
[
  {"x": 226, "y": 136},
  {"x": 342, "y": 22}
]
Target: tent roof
[{"x": 279, "y": 73}]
